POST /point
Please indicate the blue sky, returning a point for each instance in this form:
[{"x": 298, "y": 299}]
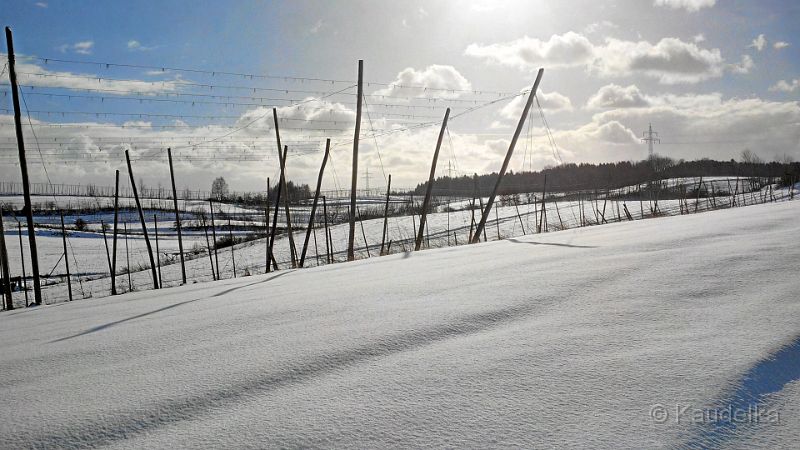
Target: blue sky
[{"x": 714, "y": 78}]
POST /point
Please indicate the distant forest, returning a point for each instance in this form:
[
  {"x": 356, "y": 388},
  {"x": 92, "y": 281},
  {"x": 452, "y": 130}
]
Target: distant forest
[{"x": 572, "y": 177}]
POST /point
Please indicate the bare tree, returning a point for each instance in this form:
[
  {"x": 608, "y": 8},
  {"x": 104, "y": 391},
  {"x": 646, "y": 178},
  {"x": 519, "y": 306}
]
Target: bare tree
[{"x": 219, "y": 188}]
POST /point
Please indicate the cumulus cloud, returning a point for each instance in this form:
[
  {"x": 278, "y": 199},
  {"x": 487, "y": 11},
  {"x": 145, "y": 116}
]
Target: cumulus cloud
[
  {"x": 615, "y": 96},
  {"x": 786, "y": 86},
  {"x": 688, "y": 5},
  {"x": 698, "y": 38},
  {"x": 597, "y": 26},
  {"x": 433, "y": 81},
  {"x": 670, "y": 60},
  {"x": 567, "y": 50},
  {"x": 778, "y": 45},
  {"x": 758, "y": 43}
]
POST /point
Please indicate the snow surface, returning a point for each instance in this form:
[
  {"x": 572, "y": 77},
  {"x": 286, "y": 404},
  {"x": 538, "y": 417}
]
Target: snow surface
[{"x": 561, "y": 339}]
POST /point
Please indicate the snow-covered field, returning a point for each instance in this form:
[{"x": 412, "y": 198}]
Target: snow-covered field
[{"x": 576, "y": 338}]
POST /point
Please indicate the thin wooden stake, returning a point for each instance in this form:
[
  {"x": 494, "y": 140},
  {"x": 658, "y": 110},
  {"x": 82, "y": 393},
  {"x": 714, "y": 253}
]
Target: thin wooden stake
[
  {"x": 128, "y": 258},
  {"x": 208, "y": 246},
  {"x": 66, "y": 256},
  {"x": 316, "y": 199},
  {"x": 386, "y": 214},
  {"x": 214, "y": 236},
  {"x": 114, "y": 240},
  {"x": 6, "y": 282},
  {"x": 233, "y": 255},
  {"x": 177, "y": 217},
  {"x": 158, "y": 253},
  {"x": 22, "y": 259},
  {"x": 327, "y": 233}
]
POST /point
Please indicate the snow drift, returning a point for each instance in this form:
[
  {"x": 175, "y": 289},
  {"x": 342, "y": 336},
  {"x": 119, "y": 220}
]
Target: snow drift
[{"x": 571, "y": 339}]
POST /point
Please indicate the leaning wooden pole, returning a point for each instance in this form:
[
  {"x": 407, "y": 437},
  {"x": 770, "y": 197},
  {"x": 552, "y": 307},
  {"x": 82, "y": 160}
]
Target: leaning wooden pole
[
  {"x": 66, "y": 256},
  {"x": 233, "y": 255},
  {"x": 275, "y": 226},
  {"x": 490, "y": 202},
  {"x": 23, "y": 165},
  {"x": 386, "y": 213},
  {"x": 208, "y": 246},
  {"x": 266, "y": 226},
  {"x": 429, "y": 190},
  {"x": 144, "y": 224},
  {"x": 351, "y": 239},
  {"x": 282, "y": 155},
  {"x": 114, "y": 240},
  {"x": 316, "y": 200},
  {"x": 177, "y": 215},
  {"x": 214, "y": 236},
  {"x": 158, "y": 258}
]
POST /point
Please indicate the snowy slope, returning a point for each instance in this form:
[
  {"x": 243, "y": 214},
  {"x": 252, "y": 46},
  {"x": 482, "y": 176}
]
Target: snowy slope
[{"x": 562, "y": 339}]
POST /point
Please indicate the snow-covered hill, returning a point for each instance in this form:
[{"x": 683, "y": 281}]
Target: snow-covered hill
[{"x": 573, "y": 338}]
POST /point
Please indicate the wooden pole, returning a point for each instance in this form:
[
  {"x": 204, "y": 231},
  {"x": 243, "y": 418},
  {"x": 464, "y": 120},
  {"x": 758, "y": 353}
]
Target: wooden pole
[
  {"x": 354, "y": 178},
  {"x": 275, "y": 225},
  {"x": 429, "y": 189},
  {"x": 282, "y": 159},
  {"x": 177, "y": 216},
  {"x": 519, "y": 216},
  {"x": 22, "y": 260},
  {"x": 6, "y": 284},
  {"x": 66, "y": 256},
  {"x": 23, "y": 165},
  {"x": 510, "y": 152},
  {"x": 128, "y": 258},
  {"x": 363, "y": 234},
  {"x": 497, "y": 222},
  {"x": 386, "y": 213},
  {"x": 314, "y": 205},
  {"x": 233, "y": 255},
  {"x": 214, "y": 235},
  {"x": 158, "y": 253},
  {"x": 208, "y": 246},
  {"x": 114, "y": 240},
  {"x": 266, "y": 225},
  {"x": 105, "y": 241},
  {"x": 144, "y": 224},
  {"x": 328, "y": 242}
]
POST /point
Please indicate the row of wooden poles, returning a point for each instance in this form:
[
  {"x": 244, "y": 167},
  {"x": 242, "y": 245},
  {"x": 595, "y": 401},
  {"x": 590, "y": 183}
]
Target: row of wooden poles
[{"x": 282, "y": 186}]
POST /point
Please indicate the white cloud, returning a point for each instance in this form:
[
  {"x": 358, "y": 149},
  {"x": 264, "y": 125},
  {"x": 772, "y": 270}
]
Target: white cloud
[
  {"x": 135, "y": 45},
  {"x": 41, "y": 4},
  {"x": 422, "y": 13},
  {"x": 698, "y": 38},
  {"x": 83, "y": 47},
  {"x": 317, "y": 27},
  {"x": 670, "y": 60},
  {"x": 434, "y": 81},
  {"x": 688, "y": 5},
  {"x": 786, "y": 86},
  {"x": 778, "y": 45},
  {"x": 615, "y": 96},
  {"x": 567, "y": 50},
  {"x": 758, "y": 43},
  {"x": 597, "y": 26},
  {"x": 77, "y": 80},
  {"x": 744, "y": 66}
]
